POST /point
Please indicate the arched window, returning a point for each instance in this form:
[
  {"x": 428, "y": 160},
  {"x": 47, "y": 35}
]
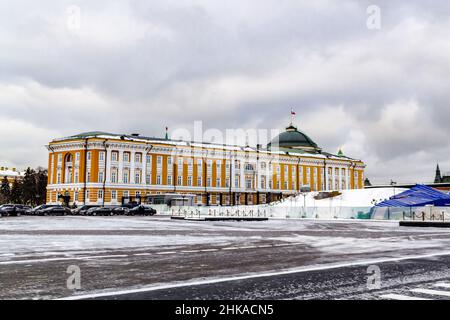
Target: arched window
[{"x": 68, "y": 168}]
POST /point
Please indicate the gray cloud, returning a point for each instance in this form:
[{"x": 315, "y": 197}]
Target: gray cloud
[{"x": 132, "y": 66}]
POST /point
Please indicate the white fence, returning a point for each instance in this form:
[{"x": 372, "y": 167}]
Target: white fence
[
  {"x": 220, "y": 211},
  {"x": 276, "y": 210}
]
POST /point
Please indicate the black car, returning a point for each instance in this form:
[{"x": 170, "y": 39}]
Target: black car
[
  {"x": 142, "y": 209},
  {"x": 55, "y": 210},
  {"x": 12, "y": 210},
  {"x": 27, "y": 210},
  {"x": 35, "y": 210},
  {"x": 84, "y": 209},
  {"x": 121, "y": 211},
  {"x": 101, "y": 211}
]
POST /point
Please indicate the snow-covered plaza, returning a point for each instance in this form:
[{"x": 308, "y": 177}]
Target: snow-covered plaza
[{"x": 133, "y": 254}]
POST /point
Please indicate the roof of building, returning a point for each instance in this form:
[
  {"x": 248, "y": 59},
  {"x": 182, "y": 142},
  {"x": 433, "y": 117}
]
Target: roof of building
[
  {"x": 293, "y": 138},
  {"x": 417, "y": 196},
  {"x": 6, "y": 172},
  {"x": 293, "y": 141}
]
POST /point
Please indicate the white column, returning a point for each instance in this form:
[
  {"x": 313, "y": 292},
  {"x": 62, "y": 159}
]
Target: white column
[
  {"x": 333, "y": 178},
  {"x": 347, "y": 172},
  {"x": 120, "y": 169},
  {"x": 132, "y": 167},
  {"x": 144, "y": 168},
  {"x": 108, "y": 165},
  {"x": 242, "y": 162}
]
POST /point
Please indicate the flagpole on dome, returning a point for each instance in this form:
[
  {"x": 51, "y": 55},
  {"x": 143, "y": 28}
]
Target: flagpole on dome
[{"x": 292, "y": 116}]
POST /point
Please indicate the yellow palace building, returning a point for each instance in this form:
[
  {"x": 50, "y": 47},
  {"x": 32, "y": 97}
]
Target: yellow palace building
[{"x": 107, "y": 169}]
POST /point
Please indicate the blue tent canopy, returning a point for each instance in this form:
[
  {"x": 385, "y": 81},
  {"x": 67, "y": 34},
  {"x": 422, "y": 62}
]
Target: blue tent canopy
[{"x": 418, "y": 196}]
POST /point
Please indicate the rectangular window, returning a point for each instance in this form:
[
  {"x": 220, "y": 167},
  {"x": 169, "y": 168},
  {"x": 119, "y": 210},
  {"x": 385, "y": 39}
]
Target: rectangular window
[
  {"x": 149, "y": 160},
  {"x": 76, "y": 177},
  {"x": 126, "y": 157},
  {"x": 189, "y": 181},
  {"x": 101, "y": 156},
  {"x": 126, "y": 194},
  {"x": 179, "y": 180},
  {"x": 138, "y": 158},
  {"x": 137, "y": 178},
  {"x": 87, "y": 195},
  {"x": 208, "y": 182},
  {"x": 100, "y": 194},
  {"x": 88, "y": 177},
  {"x": 158, "y": 179},
  {"x": 77, "y": 157},
  {"x": 169, "y": 160},
  {"x": 114, "y": 156},
  {"x": 126, "y": 177},
  {"x": 113, "y": 194},
  {"x": 148, "y": 179},
  {"x": 101, "y": 176},
  {"x": 199, "y": 181},
  {"x": 159, "y": 160},
  {"x": 75, "y": 196},
  {"x": 218, "y": 184},
  {"x": 169, "y": 180},
  {"x": 114, "y": 176}
]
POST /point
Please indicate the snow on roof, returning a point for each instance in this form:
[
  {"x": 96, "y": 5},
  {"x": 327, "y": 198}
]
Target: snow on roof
[
  {"x": 10, "y": 173},
  {"x": 143, "y": 139}
]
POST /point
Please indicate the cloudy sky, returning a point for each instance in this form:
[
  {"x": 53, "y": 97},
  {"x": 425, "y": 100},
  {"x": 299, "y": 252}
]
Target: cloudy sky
[{"x": 382, "y": 94}]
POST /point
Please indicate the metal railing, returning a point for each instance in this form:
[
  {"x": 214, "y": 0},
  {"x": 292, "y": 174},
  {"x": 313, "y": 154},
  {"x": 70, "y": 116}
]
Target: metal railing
[{"x": 222, "y": 212}]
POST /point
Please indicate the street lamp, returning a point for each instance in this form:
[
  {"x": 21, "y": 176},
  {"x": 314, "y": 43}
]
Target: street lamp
[{"x": 393, "y": 184}]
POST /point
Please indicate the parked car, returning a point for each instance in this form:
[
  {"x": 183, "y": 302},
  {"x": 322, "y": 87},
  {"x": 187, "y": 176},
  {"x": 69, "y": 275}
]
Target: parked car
[
  {"x": 12, "y": 210},
  {"x": 41, "y": 207},
  {"x": 54, "y": 210},
  {"x": 27, "y": 210},
  {"x": 83, "y": 209},
  {"x": 142, "y": 209},
  {"x": 101, "y": 211},
  {"x": 121, "y": 211}
]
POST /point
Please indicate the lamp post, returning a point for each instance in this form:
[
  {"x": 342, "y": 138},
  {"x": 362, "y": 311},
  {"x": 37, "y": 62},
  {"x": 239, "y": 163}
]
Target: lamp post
[{"x": 393, "y": 184}]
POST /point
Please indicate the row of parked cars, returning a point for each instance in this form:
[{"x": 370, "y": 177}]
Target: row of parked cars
[{"x": 86, "y": 210}]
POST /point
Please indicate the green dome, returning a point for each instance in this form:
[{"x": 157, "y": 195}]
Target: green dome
[{"x": 292, "y": 138}]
